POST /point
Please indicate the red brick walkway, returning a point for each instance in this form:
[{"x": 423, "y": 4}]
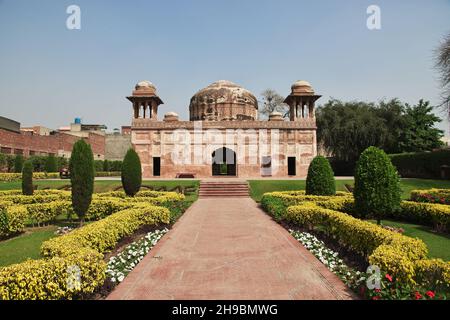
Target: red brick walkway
[{"x": 228, "y": 248}]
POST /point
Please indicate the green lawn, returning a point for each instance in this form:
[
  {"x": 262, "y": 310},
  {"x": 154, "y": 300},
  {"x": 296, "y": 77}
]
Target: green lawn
[
  {"x": 25, "y": 246},
  {"x": 438, "y": 244},
  {"x": 259, "y": 187},
  {"x": 99, "y": 185}
]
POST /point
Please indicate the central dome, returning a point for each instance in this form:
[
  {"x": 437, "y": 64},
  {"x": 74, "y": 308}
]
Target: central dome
[{"x": 223, "y": 100}]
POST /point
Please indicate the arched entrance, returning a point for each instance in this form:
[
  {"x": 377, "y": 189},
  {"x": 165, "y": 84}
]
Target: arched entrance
[{"x": 224, "y": 162}]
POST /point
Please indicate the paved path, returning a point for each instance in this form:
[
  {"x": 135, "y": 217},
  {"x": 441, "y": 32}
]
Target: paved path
[{"x": 228, "y": 248}]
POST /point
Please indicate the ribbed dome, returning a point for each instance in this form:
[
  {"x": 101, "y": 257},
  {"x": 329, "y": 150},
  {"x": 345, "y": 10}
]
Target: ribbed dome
[
  {"x": 224, "y": 91},
  {"x": 223, "y": 100}
]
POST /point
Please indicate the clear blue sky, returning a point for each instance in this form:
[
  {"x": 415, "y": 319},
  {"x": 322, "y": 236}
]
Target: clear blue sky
[{"x": 49, "y": 74}]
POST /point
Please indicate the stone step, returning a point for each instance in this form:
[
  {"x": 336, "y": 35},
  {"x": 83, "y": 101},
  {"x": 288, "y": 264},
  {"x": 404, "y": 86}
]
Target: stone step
[{"x": 223, "y": 189}]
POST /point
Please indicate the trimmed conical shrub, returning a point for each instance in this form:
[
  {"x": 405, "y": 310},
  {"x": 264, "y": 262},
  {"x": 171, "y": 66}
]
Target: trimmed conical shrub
[
  {"x": 18, "y": 163},
  {"x": 377, "y": 186},
  {"x": 27, "y": 178},
  {"x": 131, "y": 173},
  {"x": 320, "y": 180},
  {"x": 81, "y": 167},
  {"x": 51, "y": 164}
]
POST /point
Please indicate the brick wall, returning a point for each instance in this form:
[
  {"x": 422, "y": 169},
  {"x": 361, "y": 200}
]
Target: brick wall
[{"x": 57, "y": 144}]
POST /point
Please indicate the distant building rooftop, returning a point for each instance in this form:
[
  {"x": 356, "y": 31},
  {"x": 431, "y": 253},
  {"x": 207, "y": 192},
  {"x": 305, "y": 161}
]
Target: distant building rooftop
[{"x": 9, "y": 124}]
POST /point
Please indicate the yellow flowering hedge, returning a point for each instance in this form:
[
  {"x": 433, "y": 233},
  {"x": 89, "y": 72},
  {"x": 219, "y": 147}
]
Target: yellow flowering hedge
[
  {"x": 82, "y": 250},
  {"x": 12, "y": 219},
  {"x": 436, "y": 215},
  {"x": 10, "y": 177},
  {"x": 104, "y": 234},
  {"x": 276, "y": 203},
  {"x": 394, "y": 253},
  {"x": 432, "y": 214}
]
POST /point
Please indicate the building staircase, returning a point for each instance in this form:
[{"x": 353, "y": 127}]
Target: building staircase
[{"x": 212, "y": 189}]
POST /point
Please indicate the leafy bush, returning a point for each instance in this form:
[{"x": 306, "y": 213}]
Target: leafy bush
[
  {"x": 105, "y": 165},
  {"x": 18, "y": 163},
  {"x": 320, "y": 179},
  {"x": 27, "y": 178},
  {"x": 82, "y": 174},
  {"x": 377, "y": 186},
  {"x": 421, "y": 164},
  {"x": 51, "y": 164},
  {"x": 131, "y": 173}
]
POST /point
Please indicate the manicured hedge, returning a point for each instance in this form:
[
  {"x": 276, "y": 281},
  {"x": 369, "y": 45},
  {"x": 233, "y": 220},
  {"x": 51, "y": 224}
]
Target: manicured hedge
[
  {"x": 276, "y": 203},
  {"x": 12, "y": 219},
  {"x": 432, "y": 214},
  {"x": 11, "y": 177},
  {"x": 422, "y": 164},
  {"x": 81, "y": 250},
  {"x": 398, "y": 255}
]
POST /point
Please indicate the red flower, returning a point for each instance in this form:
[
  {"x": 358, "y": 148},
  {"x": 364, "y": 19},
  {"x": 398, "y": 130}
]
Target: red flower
[
  {"x": 430, "y": 294},
  {"x": 417, "y": 295},
  {"x": 376, "y": 298},
  {"x": 389, "y": 277}
]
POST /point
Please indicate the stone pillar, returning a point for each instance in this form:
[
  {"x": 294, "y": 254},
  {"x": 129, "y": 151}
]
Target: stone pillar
[
  {"x": 311, "y": 110},
  {"x": 293, "y": 110},
  {"x": 136, "y": 109},
  {"x": 154, "y": 110}
]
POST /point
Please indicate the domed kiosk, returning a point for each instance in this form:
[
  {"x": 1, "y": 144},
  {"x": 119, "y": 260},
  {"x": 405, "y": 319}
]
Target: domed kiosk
[{"x": 224, "y": 136}]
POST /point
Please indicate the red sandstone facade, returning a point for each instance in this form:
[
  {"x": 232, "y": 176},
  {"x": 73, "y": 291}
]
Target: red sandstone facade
[{"x": 224, "y": 136}]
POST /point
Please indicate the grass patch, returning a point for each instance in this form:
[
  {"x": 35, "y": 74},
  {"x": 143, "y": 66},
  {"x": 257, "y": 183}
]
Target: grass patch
[
  {"x": 438, "y": 244},
  {"x": 259, "y": 187},
  {"x": 25, "y": 246}
]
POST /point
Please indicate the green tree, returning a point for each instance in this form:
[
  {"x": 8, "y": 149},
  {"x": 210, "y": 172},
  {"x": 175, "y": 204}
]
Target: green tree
[
  {"x": 18, "y": 163},
  {"x": 3, "y": 162},
  {"x": 131, "y": 173},
  {"x": 27, "y": 178},
  {"x": 81, "y": 167},
  {"x": 51, "y": 164},
  {"x": 392, "y": 114},
  {"x": 377, "y": 186},
  {"x": 419, "y": 132},
  {"x": 320, "y": 180},
  {"x": 345, "y": 129},
  {"x": 443, "y": 66}
]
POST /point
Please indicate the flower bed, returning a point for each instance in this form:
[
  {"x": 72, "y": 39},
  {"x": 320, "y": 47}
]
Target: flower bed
[
  {"x": 120, "y": 265},
  {"x": 351, "y": 277},
  {"x": 441, "y": 196}
]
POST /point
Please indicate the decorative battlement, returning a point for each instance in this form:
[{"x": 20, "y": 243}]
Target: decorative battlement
[{"x": 307, "y": 123}]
